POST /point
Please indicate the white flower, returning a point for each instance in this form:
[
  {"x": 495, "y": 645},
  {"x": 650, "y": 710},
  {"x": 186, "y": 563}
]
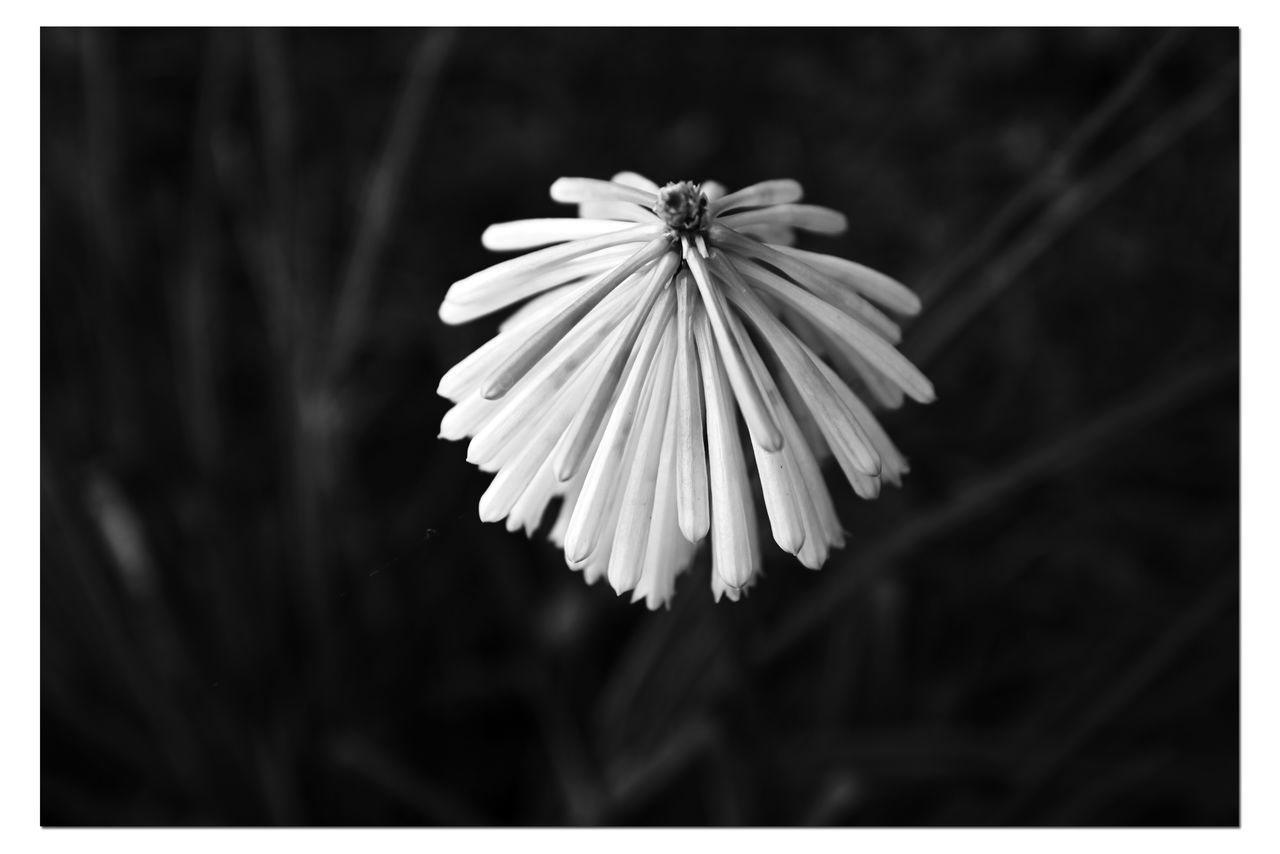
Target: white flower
[{"x": 651, "y": 321}]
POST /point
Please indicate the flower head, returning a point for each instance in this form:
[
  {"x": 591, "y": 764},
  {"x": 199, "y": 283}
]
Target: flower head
[{"x": 650, "y": 322}]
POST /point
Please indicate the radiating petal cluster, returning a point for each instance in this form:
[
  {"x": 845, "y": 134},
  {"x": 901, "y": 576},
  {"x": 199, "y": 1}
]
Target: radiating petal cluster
[{"x": 650, "y": 323}]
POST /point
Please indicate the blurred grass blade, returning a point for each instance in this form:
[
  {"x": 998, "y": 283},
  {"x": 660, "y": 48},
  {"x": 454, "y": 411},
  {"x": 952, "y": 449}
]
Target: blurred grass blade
[
  {"x": 1135, "y": 676},
  {"x": 1054, "y": 171},
  {"x": 382, "y": 196},
  {"x": 430, "y": 800},
  {"x": 946, "y": 323},
  {"x": 1159, "y": 400}
]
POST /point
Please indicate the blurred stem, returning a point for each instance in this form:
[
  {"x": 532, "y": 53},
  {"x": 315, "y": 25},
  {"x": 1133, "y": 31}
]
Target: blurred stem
[
  {"x": 1159, "y": 400},
  {"x": 434, "y": 802},
  {"x": 103, "y": 221},
  {"x": 102, "y": 110},
  {"x": 943, "y": 326},
  {"x": 636, "y": 779},
  {"x": 1134, "y": 677},
  {"x": 579, "y": 780},
  {"x": 382, "y": 197},
  {"x": 1055, "y": 170},
  {"x": 80, "y": 543},
  {"x": 301, "y": 408},
  {"x": 195, "y": 315}
]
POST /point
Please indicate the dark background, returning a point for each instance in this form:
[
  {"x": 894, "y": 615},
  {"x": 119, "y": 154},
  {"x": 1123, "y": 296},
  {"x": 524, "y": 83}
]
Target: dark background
[{"x": 266, "y": 594}]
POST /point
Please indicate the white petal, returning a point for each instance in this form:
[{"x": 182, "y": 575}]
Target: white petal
[
  {"x": 784, "y": 505},
  {"x": 571, "y": 490},
  {"x": 635, "y": 515},
  {"x": 851, "y": 446},
  {"x": 547, "y": 303},
  {"x": 713, "y": 190},
  {"x": 626, "y": 211},
  {"x": 571, "y": 451},
  {"x": 597, "y": 564},
  {"x": 872, "y": 284},
  {"x": 782, "y": 191},
  {"x": 822, "y": 527},
  {"x": 535, "y": 392},
  {"x": 880, "y": 387},
  {"x": 603, "y": 475},
  {"x": 528, "y": 510},
  {"x": 635, "y": 179},
  {"x": 537, "y": 345},
  {"x": 805, "y": 487},
  {"x": 808, "y": 425},
  {"x": 805, "y": 217},
  {"x": 578, "y": 190},
  {"x": 733, "y": 551},
  {"x": 754, "y": 411},
  {"x": 820, "y": 285},
  {"x": 692, "y": 498},
  {"x": 540, "y": 437},
  {"x": 465, "y": 377},
  {"x": 780, "y": 234},
  {"x": 621, "y": 211},
  {"x": 509, "y": 281},
  {"x": 667, "y": 553},
  {"x": 530, "y": 233},
  {"x": 466, "y": 417},
  {"x": 892, "y": 464},
  {"x": 846, "y": 331}
]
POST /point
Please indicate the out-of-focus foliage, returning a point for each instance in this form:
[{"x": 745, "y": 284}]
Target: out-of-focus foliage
[{"x": 266, "y": 595}]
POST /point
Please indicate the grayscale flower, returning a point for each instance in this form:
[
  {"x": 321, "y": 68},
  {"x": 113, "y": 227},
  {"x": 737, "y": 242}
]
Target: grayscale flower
[{"x": 650, "y": 322}]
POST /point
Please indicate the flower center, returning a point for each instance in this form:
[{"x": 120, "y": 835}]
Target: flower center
[{"x": 683, "y": 206}]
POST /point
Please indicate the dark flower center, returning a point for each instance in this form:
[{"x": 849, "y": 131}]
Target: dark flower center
[{"x": 683, "y": 206}]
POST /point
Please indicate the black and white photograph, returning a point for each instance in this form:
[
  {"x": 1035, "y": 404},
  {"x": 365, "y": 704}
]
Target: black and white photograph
[{"x": 639, "y": 427}]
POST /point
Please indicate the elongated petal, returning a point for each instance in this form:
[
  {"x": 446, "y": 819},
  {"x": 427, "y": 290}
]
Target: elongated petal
[
  {"x": 805, "y": 217},
  {"x": 809, "y": 428},
  {"x": 784, "y": 505},
  {"x": 636, "y": 180},
  {"x": 627, "y": 211},
  {"x": 713, "y": 190},
  {"x": 759, "y": 423},
  {"x": 692, "y": 497},
  {"x": 892, "y": 464},
  {"x": 545, "y": 304},
  {"x": 667, "y": 553},
  {"x": 852, "y": 448},
  {"x": 491, "y": 288},
  {"x": 851, "y": 365},
  {"x": 849, "y": 332},
  {"x": 465, "y": 417},
  {"x": 466, "y": 377},
  {"x": 602, "y": 477},
  {"x": 733, "y": 553},
  {"x": 529, "y": 508},
  {"x": 774, "y": 234},
  {"x": 777, "y": 192},
  {"x": 822, "y": 526},
  {"x": 621, "y": 211},
  {"x": 872, "y": 284},
  {"x": 529, "y": 233},
  {"x": 571, "y": 452},
  {"x": 525, "y": 356},
  {"x": 519, "y": 472},
  {"x": 635, "y": 515},
  {"x": 566, "y": 359},
  {"x": 819, "y": 284},
  {"x": 578, "y": 190},
  {"x": 571, "y": 491}
]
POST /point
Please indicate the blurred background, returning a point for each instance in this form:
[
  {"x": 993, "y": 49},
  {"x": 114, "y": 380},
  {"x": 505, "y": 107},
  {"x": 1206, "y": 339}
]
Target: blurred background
[{"x": 266, "y": 594}]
